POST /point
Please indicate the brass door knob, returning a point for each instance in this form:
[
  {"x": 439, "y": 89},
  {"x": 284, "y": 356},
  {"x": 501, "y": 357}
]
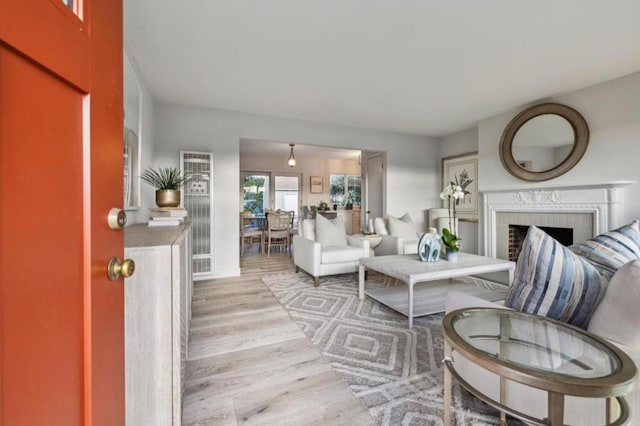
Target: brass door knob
[{"x": 115, "y": 268}]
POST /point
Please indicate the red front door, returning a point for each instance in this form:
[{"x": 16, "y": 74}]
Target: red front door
[{"x": 61, "y": 320}]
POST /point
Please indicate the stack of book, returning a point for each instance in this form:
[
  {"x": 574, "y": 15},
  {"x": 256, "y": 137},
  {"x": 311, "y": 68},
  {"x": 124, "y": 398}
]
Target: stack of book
[{"x": 167, "y": 216}]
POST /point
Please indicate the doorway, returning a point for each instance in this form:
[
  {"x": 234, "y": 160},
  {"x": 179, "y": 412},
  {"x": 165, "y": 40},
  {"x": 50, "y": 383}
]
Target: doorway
[{"x": 374, "y": 184}]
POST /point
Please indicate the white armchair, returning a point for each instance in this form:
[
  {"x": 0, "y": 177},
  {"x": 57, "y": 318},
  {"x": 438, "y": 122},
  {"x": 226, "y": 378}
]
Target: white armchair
[
  {"x": 399, "y": 235},
  {"x": 328, "y": 250}
]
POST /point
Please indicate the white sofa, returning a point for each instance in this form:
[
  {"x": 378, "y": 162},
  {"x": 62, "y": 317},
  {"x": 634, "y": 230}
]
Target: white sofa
[
  {"x": 399, "y": 235},
  {"x": 531, "y": 401},
  {"x": 320, "y": 255}
]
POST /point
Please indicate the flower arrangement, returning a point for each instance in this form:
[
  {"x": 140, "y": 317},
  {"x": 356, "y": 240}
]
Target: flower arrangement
[
  {"x": 463, "y": 182},
  {"x": 452, "y": 193}
]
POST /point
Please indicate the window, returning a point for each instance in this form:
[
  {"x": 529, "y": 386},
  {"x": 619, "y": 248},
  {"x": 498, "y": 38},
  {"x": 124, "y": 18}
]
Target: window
[
  {"x": 345, "y": 189},
  {"x": 75, "y": 6},
  {"x": 262, "y": 191},
  {"x": 253, "y": 188},
  {"x": 286, "y": 192}
]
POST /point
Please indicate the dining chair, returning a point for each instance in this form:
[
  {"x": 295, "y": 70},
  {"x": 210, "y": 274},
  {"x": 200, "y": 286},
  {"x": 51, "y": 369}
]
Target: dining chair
[
  {"x": 293, "y": 228},
  {"x": 278, "y": 226},
  {"x": 248, "y": 232}
]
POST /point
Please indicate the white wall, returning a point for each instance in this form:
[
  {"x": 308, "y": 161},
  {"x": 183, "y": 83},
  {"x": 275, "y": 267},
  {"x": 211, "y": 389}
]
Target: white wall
[
  {"x": 612, "y": 111},
  {"x": 456, "y": 144},
  {"x": 147, "y": 192},
  {"x": 413, "y": 162}
]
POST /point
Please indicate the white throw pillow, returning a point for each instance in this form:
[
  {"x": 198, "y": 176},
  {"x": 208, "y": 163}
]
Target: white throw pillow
[
  {"x": 308, "y": 229},
  {"x": 379, "y": 226},
  {"x": 403, "y": 227},
  {"x": 330, "y": 232},
  {"x": 617, "y": 317}
]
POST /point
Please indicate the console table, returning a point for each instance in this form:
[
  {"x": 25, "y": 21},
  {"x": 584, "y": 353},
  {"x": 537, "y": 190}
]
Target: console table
[
  {"x": 157, "y": 314},
  {"x": 439, "y": 278}
]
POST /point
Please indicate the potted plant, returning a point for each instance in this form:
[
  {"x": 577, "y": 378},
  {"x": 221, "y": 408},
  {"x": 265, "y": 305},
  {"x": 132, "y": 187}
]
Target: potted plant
[
  {"x": 451, "y": 193},
  {"x": 167, "y": 182}
]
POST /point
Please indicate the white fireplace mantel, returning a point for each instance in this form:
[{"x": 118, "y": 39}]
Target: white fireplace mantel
[{"x": 605, "y": 202}]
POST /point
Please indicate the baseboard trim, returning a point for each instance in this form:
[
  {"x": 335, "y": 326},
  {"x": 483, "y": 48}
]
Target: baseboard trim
[{"x": 227, "y": 273}]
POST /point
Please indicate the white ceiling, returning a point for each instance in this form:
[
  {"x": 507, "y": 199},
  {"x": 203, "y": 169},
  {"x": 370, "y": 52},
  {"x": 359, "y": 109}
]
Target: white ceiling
[
  {"x": 271, "y": 148},
  {"x": 415, "y": 66}
]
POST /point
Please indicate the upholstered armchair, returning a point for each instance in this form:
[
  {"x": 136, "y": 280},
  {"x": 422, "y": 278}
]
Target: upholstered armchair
[
  {"x": 322, "y": 248},
  {"x": 399, "y": 235}
]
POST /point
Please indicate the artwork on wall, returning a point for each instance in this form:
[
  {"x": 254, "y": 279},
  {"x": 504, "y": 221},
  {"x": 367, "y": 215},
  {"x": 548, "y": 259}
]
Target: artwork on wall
[
  {"x": 316, "y": 184},
  {"x": 462, "y": 170}
]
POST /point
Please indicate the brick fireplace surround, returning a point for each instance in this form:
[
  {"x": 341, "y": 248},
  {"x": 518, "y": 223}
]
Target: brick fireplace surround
[{"x": 588, "y": 210}]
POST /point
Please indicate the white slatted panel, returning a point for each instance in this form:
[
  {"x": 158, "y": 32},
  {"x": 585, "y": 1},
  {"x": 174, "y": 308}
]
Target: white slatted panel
[{"x": 197, "y": 199}]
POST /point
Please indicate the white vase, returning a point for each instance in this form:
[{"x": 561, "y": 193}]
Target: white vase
[{"x": 450, "y": 255}]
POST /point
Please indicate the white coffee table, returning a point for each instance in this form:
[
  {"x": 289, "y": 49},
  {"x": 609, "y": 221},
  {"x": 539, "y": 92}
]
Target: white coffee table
[{"x": 439, "y": 278}]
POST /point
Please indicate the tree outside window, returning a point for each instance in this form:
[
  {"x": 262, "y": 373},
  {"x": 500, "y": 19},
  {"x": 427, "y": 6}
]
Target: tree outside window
[
  {"x": 253, "y": 193},
  {"x": 345, "y": 189},
  {"x": 336, "y": 189},
  {"x": 353, "y": 189}
]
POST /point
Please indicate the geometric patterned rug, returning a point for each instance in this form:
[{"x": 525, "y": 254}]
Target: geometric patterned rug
[{"x": 395, "y": 372}]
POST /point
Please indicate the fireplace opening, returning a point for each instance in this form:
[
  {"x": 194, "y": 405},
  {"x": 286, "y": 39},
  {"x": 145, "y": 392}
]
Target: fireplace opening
[{"x": 517, "y": 233}]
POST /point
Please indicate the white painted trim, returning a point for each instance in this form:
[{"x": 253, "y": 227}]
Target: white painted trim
[
  {"x": 605, "y": 202},
  {"x": 226, "y": 273}
]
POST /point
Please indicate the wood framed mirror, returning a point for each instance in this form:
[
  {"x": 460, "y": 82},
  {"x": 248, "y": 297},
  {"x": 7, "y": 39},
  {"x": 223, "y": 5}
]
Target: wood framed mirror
[{"x": 543, "y": 142}]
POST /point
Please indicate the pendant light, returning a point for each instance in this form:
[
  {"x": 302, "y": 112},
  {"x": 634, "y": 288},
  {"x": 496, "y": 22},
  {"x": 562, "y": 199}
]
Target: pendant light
[{"x": 292, "y": 160}]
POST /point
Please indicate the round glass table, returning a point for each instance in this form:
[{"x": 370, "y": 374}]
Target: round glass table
[{"x": 539, "y": 352}]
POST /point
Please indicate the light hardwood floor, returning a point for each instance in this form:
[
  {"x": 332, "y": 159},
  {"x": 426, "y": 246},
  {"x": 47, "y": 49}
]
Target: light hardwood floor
[{"x": 249, "y": 362}]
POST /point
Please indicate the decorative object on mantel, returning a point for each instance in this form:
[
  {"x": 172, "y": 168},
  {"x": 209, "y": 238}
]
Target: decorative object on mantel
[
  {"x": 452, "y": 193},
  {"x": 543, "y": 142},
  {"x": 462, "y": 171},
  {"x": 167, "y": 182},
  {"x": 429, "y": 246}
]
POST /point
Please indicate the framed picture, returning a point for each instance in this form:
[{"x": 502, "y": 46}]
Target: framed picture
[
  {"x": 462, "y": 170},
  {"x": 316, "y": 184}
]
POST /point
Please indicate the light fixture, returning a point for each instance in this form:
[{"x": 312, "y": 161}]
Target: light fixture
[{"x": 292, "y": 160}]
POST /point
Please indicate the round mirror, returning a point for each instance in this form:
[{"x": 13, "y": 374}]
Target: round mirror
[{"x": 544, "y": 142}]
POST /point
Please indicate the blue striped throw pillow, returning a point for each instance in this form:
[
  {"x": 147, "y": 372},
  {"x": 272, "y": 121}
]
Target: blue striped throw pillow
[
  {"x": 609, "y": 251},
  {"x": 553, "y": 281}
]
